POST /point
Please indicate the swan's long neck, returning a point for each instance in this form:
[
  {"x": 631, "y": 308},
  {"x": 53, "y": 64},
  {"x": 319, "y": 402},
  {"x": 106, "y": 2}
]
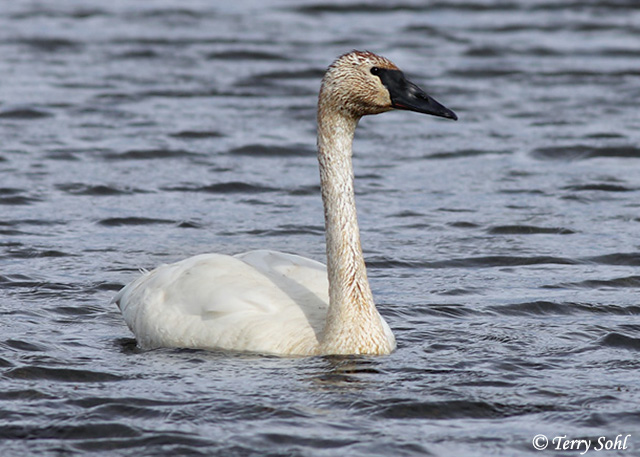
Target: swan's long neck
[{"x": 353, "y": 323}]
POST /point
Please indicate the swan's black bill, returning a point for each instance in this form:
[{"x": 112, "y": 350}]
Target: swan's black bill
[{"x": 406, "y": 95}]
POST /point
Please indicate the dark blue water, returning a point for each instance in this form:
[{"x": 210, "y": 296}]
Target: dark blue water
[{"x": 504, "y": 249}]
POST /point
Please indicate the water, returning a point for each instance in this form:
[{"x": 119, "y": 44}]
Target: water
[{"x": 503, "y": 249}]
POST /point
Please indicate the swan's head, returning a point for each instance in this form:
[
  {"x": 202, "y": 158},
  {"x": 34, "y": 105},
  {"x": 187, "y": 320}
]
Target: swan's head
[{"x": 364, "y": 83}]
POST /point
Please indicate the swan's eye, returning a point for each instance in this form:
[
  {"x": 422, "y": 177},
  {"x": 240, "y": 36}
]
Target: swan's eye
[{"x": 375, "y": 71}]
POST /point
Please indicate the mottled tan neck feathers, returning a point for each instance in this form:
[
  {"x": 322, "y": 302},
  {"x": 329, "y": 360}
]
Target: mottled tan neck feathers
[{"x": 353, "y": 324}]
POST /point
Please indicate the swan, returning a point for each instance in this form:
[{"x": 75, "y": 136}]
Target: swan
[{"x": 271, "y": 302}]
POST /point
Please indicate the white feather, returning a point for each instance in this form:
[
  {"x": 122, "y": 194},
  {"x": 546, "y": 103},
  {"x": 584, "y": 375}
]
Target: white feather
[{"x": 259, "y": 301}]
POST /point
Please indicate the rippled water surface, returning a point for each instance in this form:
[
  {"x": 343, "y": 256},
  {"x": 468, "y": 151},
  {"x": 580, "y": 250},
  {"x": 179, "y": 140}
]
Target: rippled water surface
[{"x": 503, "y": 249}]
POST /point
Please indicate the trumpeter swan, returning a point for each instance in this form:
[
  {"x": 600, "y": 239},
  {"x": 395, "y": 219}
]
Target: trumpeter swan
[{"x": 275, "y": 303}]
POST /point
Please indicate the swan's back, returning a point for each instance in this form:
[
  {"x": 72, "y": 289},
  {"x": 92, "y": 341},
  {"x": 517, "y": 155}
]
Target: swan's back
[{"x": 259, "y": 301}]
